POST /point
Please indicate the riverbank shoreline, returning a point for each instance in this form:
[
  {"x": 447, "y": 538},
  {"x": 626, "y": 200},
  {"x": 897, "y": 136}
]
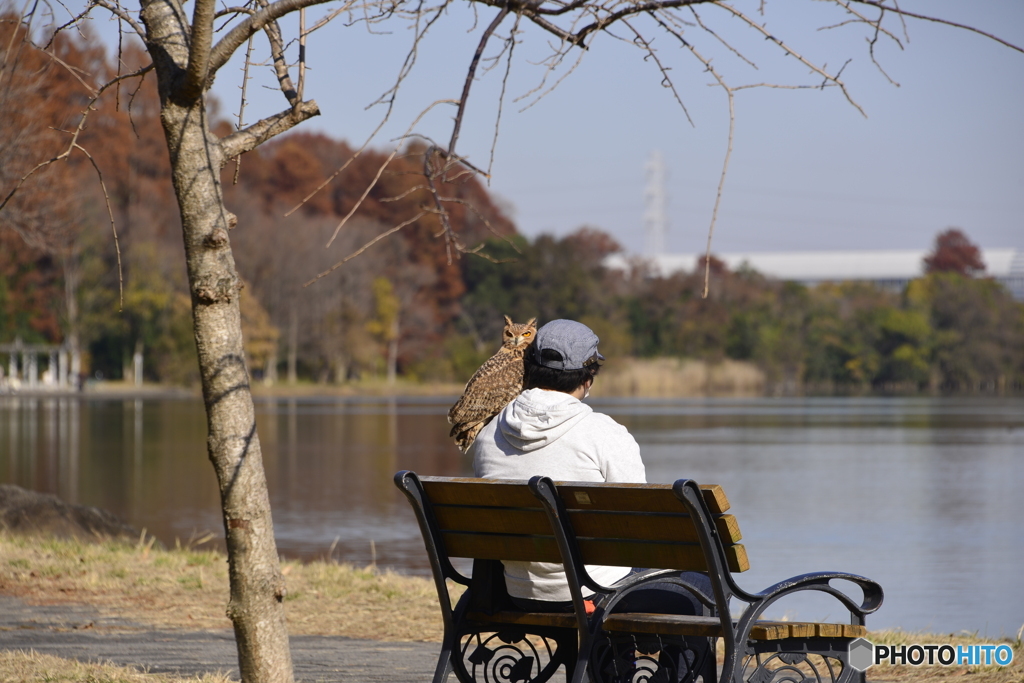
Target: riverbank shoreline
[
  {"x": 140, "y": 605},
  {"x": 658, "y": 379}
]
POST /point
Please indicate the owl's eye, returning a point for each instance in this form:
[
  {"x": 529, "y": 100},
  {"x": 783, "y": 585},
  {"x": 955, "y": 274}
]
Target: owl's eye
[{"x": 527, "y": 334}]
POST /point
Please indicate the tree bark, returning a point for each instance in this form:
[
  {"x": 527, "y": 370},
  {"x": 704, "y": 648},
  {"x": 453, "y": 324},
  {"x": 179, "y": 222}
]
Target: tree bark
[{"x": 257, "y": 587}]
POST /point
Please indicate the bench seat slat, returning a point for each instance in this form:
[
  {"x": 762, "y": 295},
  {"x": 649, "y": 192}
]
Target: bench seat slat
[
  {"x": 711, "y": 627},
  {"x": 555, "y": 619},
  {"x": 668, "y": 624}
]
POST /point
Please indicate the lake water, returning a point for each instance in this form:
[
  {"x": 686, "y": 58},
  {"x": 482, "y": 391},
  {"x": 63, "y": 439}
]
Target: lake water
[{"x": 921, "y": 494}]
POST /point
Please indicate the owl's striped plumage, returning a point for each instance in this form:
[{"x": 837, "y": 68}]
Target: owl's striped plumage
[{"x": 493, "y": 385}]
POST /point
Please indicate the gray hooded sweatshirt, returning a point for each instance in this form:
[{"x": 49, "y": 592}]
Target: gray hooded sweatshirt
[{"x": 556, "y": 435}]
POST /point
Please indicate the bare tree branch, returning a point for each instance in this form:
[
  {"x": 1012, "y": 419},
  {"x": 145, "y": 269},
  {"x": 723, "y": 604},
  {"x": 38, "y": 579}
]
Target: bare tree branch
[
  {"x": 487, "y": 224},
  {"x": 250, "y": 138},
  {"x": 284, "y": 79},
  {"x": 666, "y": 80},
  {"x": 728, "y": 152},
  {"x": 241, "y": 105},
  {"x": 71, "y": 70},
  {"x": 334, "y": 175},
  {"x": 631, "y": 9},
  {"x": 722, "y": 41},
  {"x": 501, "y": 96},
  {"x": 551, "y": 67},
  {"x": 924, "y": 17},
  {"x": 234, "y": 10},
  {"x": 788, "y": 50},
  {"x": 380, "y": 172},
  {"x": 576, "y": 4},
  {"x": 113, "y": 228},
  {"x": 199, "y": 50},
  {"x": 471, "y": 74},
  {"x": 236, "y": 37},
  {"x": 366, "y": 246},
  {"x": 391, "y": 94},
  {"x": 75, "y": 134},
  {"x": 450, "y": 237},
  {"x": 330, "y": 17},
  {"x": 302, "y": 52},
  {"x": 878, "y": 30}
]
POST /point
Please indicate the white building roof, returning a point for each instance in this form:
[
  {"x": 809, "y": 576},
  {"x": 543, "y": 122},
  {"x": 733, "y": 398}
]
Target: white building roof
[{"x": 835, "y": 266}]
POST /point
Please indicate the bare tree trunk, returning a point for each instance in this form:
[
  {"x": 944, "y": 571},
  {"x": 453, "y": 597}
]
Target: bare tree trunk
[{"x": 257, "y": 587}]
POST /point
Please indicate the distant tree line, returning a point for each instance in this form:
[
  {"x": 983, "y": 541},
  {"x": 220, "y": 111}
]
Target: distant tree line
[
  {"x": 950, "y": 330},
  {"x": 400, "y": 309}
]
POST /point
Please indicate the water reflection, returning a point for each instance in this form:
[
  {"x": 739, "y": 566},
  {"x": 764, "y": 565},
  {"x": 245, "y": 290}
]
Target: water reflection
[{"x": 920, "y": 494}]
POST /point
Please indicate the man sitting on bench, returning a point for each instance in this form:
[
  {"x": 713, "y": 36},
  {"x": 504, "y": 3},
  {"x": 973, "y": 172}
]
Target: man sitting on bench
[{"x": 547, "y": 430}]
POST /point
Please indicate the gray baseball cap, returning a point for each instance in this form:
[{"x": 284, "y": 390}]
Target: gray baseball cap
[{"x": 575, "y": 343}]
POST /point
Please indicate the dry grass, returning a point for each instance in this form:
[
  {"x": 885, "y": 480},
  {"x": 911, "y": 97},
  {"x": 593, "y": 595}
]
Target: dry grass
[
  {"x": 187, "y": 588},
  {"x": 371, "y": 386},
  {"x": 1014, "y": 673},
  {"x": 675, "y": 377},
  {"x": 30, "y": 667}
]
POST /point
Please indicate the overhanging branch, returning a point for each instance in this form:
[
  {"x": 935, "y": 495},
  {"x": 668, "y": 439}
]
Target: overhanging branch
[
  {"x": 471, "y": 74},
  {"x": 255, "y": 135},
  {"x": 222, "y": 51},
  {"x": 925, "y": 17}
]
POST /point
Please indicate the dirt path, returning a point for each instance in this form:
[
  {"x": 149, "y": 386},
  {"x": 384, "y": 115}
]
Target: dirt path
[{"x": 79, "y": 632}]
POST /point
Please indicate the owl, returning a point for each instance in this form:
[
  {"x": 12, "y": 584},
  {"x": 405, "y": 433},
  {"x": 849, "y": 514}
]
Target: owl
[{"x": 493, "y": 385}]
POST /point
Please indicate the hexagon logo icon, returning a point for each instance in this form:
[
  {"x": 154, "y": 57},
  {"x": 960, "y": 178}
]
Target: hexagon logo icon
[{"x": 861, "y": 654}]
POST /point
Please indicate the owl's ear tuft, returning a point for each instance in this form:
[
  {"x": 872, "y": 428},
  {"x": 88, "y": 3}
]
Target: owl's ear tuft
[
  {"x": 508, "y": 320},
  {"x": 532, "y": 322}
]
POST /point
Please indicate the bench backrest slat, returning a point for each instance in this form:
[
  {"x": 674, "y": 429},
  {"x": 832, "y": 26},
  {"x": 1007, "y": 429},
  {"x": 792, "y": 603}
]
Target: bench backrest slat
[
  {"x": 495, "y": 520},
  {"x": 482, "y": 492},
  {"x": 501, "y": 547},
  {"x": 636, "y": 497},
  {"x": 683, "y": 556},
  {"x": 632, "y": 525},
  {"x": 671, "y": 527}
]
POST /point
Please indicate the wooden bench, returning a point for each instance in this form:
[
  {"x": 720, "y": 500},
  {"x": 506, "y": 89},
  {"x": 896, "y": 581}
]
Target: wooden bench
[{"x": 682, "y": 527}]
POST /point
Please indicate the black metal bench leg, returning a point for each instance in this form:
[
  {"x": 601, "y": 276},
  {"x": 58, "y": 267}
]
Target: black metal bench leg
[
  {"x": 444, "y": 661},
  {"x": 578, "y": 673},
  {"x": 709, "y": 669},
  {"x": 568, "y": 655}
]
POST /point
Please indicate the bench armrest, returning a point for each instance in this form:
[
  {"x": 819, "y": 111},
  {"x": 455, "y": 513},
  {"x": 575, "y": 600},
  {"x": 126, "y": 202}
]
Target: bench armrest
[{"x": 816, "y": 581}]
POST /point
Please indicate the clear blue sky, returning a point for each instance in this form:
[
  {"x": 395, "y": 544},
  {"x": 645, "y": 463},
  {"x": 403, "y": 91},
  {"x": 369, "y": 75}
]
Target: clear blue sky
[{"x": 945, "y": 148}]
